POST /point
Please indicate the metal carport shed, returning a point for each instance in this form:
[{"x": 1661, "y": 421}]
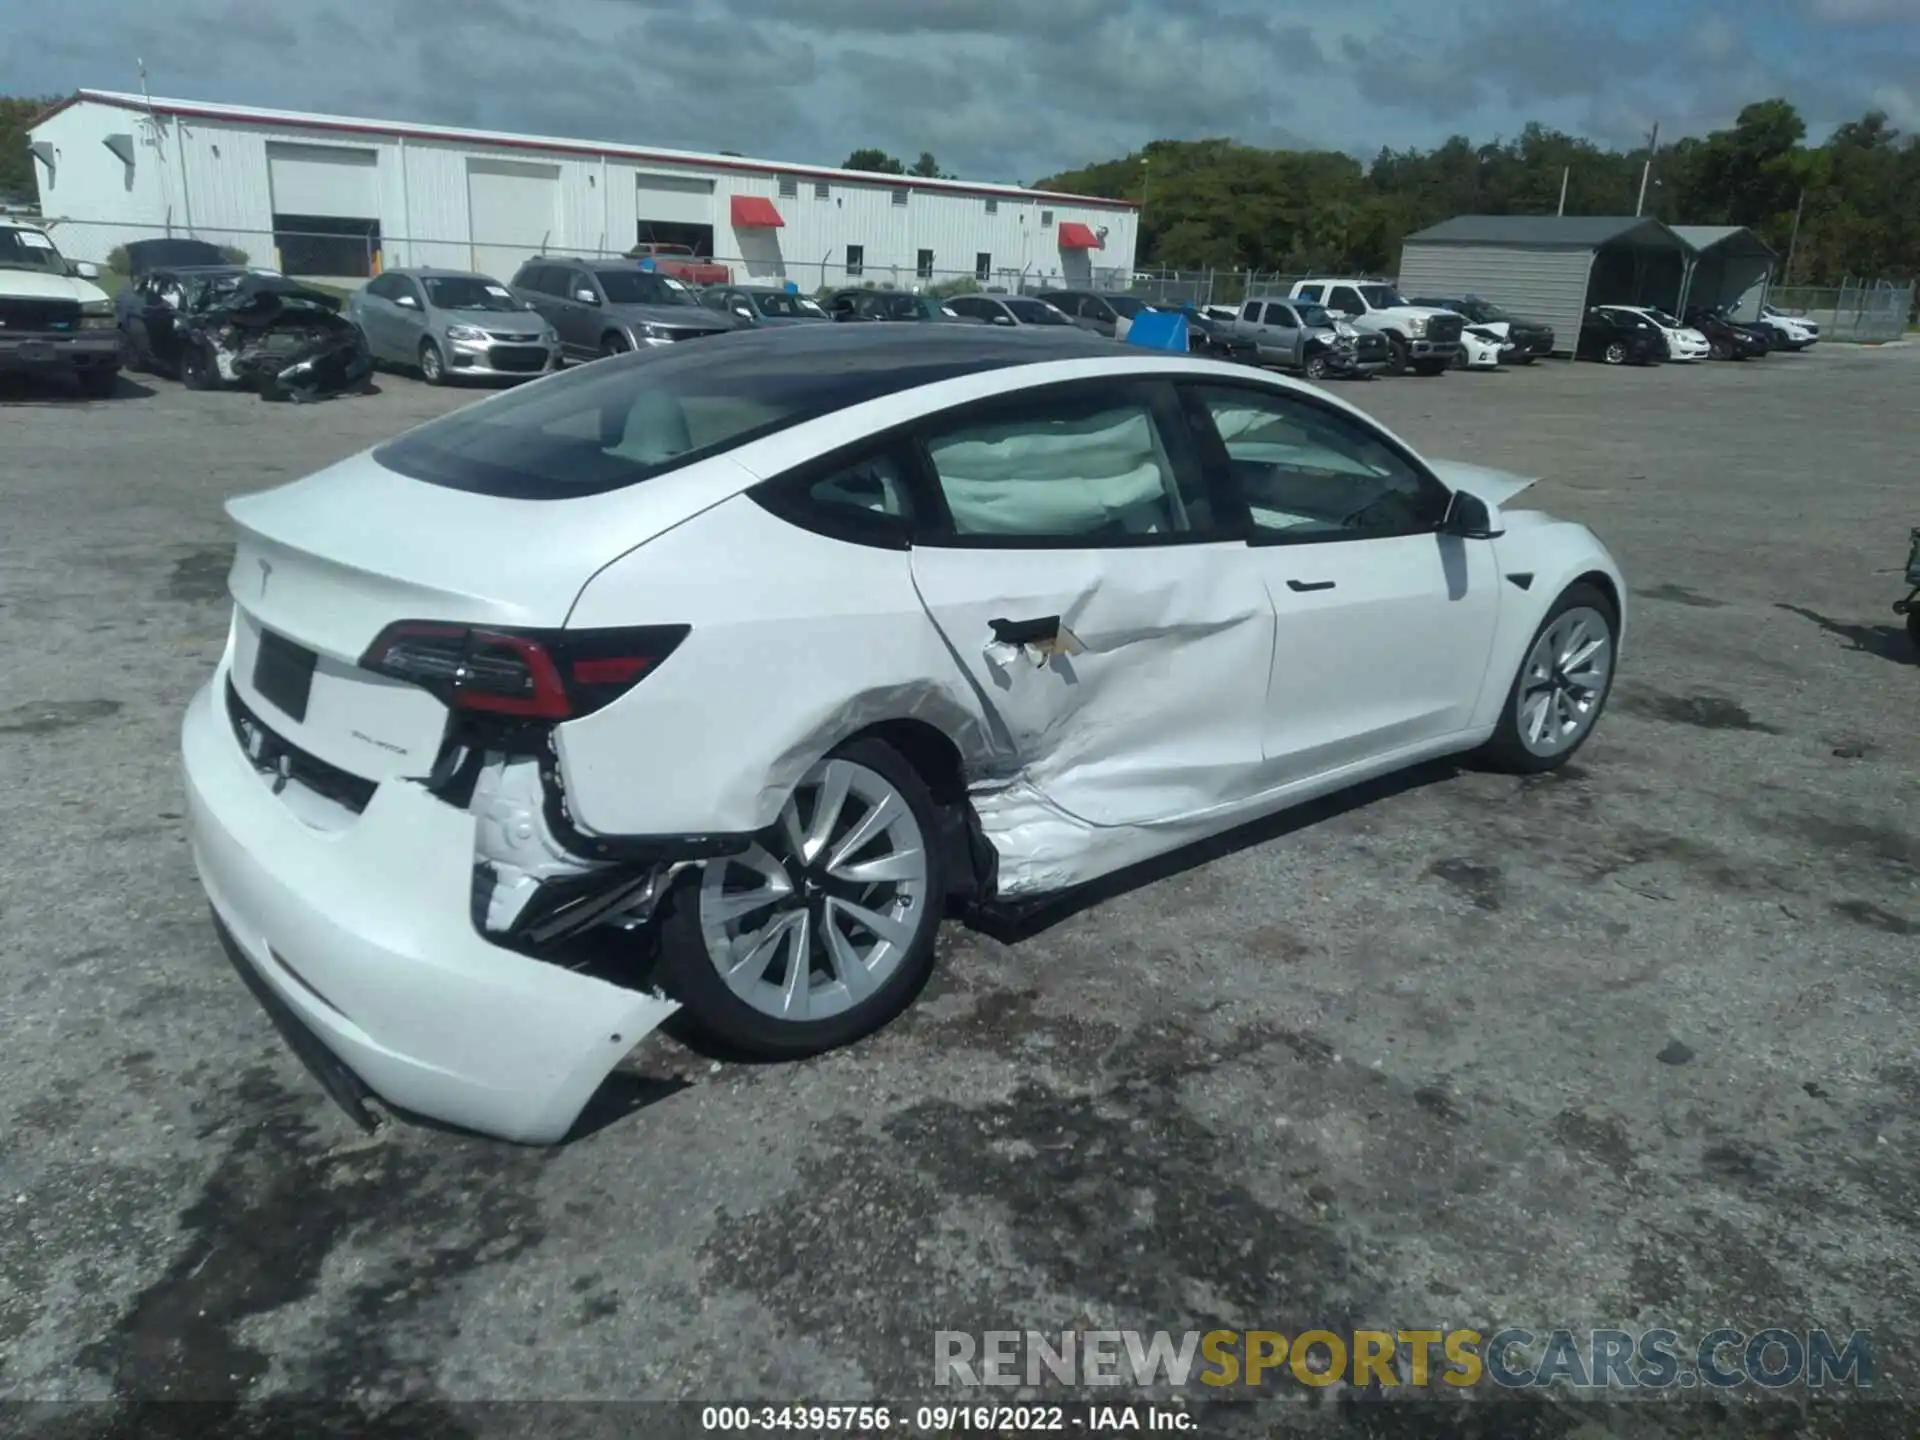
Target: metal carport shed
[
  {"x": 1732, "y": 268},
  {"x": 1548, "y": 267}
]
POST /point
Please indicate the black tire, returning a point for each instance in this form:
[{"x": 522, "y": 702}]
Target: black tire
[
  {"x": 1396, "y": 356},
  {"x": 613, "y": 343},
  {"x": 433, "y": 365},
  {"x": 132, "y": 357},
  {"x": 197, "y": 370},
  {"x": 690, "y": 976},
  {"x": 99, "y": 382},
  {"x": 1614, "y": 354},
  {"x": 1719, "y": 350},
  {"x": 1505, "y": 750},
  {"x": 1315, "y": 368}
]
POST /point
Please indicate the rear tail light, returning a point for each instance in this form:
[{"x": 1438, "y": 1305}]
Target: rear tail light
[{"x": 549, "y": 675}]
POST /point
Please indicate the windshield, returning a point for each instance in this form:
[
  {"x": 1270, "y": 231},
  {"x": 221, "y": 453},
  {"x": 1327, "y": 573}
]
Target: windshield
[
  {"x": 622, "y": 421},
  {"x": 468, "y": 292},
  {"x": 788, "y": 307},
  {"x": 1380, "y": 297},
  {"x": 1035, "y": 312},
  {"x": 1314, "y": 317},
  {"x": 1126, "y": 305},
  {"x": 28, "y": 250},
  {"x": 1481, "y": 313},
  {"x": 641, "y": 287}
]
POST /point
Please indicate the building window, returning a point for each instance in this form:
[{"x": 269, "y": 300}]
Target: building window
[
  {"x": 899, "y": 197},
  {"x": 924, "y": 267},
  {"x": 1046, "y": 217},
  {"x": 856, "y": 259},
  {"x": 822, "y": 191},
  {"x": 982, "y": 266},
  {"x": 993, "y": 207},
  {"x": 789, "y": 187}
]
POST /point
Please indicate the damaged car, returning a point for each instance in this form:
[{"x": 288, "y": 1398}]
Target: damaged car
[
  {"x": 712, "y": 677},
  {"x": 263, "y": 332}
]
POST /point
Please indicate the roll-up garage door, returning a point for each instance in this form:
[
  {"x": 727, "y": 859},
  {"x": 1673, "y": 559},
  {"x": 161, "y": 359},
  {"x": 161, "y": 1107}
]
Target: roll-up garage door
[
  {"x": 326, "y": 208},
  {"x": 513, "y": 207},
  {"x": 674, "y": 210}
]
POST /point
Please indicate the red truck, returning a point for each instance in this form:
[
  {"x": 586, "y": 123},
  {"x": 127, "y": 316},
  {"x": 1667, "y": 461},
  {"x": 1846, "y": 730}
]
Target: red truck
[{"x": 682, "y": 264}]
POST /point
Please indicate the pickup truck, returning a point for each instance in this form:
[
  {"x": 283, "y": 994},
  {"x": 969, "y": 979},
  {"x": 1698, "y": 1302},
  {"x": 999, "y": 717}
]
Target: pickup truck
[
  {"x": 1300, "y": 335},
  {"x": 682, "y": 264},
  {"x": 53, "y": 319},
  {"x": 1420, "y": 338}
]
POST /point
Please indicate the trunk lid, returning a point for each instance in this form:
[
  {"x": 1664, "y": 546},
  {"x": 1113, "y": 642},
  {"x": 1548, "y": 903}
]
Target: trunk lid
[{"x": 325, "y": 564}]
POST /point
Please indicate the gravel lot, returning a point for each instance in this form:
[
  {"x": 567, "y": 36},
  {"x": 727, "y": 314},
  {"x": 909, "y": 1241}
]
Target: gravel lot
[{"x": 1626, "y": 1046}]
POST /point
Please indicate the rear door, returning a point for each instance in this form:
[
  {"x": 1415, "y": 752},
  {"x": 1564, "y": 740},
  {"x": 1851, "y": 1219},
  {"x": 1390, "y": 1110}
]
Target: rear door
[
  {"x": 1109, "y": 619},
  {"x": 1383, "y": 625}
]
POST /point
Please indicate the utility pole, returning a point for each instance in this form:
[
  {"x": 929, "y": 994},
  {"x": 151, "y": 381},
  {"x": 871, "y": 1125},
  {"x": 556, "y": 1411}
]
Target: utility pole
[
  {"x": 1793, "y": 241},
  {"x": 1646, "y": 170},
  {"x": 1565, "y": 171}
]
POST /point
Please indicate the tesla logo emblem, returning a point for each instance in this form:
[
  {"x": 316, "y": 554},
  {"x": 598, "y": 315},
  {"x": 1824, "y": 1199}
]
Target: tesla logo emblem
[{"x": 266, "y": 574}]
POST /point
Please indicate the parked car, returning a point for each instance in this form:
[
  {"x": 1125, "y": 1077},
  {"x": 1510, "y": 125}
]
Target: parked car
[
  {"x": 1727, "y": 338},
  {"x": 752, "y": 658},
  {"x": 605, "y": 307},
  {"x": 1216, "y": 338},
  {"x": 683, "y": 263},
  {"x": 53, "y": 319},
  {"x": 894, "y": 307},
  {"x": 1531, "y": 339},
  {"x": 1791, "y": 332},
  {"x": 763, "y": 304},
  {"x": 1481, "y": 349},
  {"x": 157, "y": 306},
  {"x": 1422, "y": 338},
  {"x": 1619, "y": 337},
  {"x": 453, "y": 323},
  {"x": 269, "y": 334},
  {"x": 1006, "y": 310},
  {"x": 1104, "y": 314},
  {"x": 1300, "y": 335},
  {"x": 1683, "y": 342}
]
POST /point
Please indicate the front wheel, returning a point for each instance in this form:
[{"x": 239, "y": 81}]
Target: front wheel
[
  {"x": 1719, "y": 350},
  {"x": 1315, "y": 368},
  {"x": 823, "y": 930},
  {"x": 613, "y": 343},
  {"x": 433, "y": 365},
  {"x": 1396, "y": 355},
  {"x": 1561, "y": 687},
  {"x": 1614, "y": 354},
  {"x": 197, "y": 370}
]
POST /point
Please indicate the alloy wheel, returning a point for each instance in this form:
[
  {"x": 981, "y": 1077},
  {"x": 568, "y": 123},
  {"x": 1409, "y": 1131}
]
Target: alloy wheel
[
  {"x": 1564, "y": 681},
  {"x": 1616, "y": 354},
  {"x": 432, "y": 368},
  {"x": 816, "y": 919}
]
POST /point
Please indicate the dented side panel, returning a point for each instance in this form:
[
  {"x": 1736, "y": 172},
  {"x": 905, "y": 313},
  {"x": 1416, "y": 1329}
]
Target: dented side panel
[{"x": 1145, "y": 703}]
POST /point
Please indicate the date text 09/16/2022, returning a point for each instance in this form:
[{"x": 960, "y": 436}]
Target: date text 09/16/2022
[{"x": 868, "y": 1420}]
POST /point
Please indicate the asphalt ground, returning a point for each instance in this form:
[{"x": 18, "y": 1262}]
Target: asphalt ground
[{"x": 1632, "y": 1045}]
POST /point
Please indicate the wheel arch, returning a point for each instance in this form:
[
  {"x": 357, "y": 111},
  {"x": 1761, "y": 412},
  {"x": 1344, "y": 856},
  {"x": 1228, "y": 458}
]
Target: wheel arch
[
  {"x": 1553, "y": 556},
  {"x": 969, "y": 861}
]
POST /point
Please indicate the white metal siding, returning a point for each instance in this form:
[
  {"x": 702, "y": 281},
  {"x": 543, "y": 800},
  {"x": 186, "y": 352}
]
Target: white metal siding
[
  {"x": 514, "y": 210},
  {"x": 1549, "y": 285},
  {"x": 330, "y": 180}
]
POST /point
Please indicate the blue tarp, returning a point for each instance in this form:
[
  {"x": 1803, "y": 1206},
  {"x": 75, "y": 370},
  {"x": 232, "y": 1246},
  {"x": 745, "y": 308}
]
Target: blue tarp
[{"x": 1159, "y": 330}]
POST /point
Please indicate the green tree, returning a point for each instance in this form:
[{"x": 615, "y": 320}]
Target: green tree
[
  {"x": 929, "y": 168},
  {"x": 17, "y": 180},
  {"x": 877, "y": 161}
]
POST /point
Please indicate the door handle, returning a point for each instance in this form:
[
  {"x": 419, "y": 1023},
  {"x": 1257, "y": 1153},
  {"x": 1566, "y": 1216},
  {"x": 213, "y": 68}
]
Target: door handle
[
  {"x": 1297, "y": 586},
  {"x": 1025, "y": 632}
]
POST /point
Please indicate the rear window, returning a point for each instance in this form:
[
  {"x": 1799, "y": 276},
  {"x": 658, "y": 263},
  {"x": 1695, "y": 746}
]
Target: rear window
[{"x": 624, "y": 420}]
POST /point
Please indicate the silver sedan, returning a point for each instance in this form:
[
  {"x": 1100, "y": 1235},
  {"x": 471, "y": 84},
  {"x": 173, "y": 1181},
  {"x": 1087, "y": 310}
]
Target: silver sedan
[{"x": 449, "y": 323}]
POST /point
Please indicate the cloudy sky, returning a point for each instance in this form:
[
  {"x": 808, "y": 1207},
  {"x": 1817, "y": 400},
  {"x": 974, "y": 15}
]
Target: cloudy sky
[{"x": 998, "y": 89}]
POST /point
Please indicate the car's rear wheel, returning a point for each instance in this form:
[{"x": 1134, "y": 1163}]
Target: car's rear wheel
[
  {"x": 823, "y": 930},
  {"x": 433, "y": 365},
  {"x": 1614, "y": 354},
  {"x": 1561, "y": 686}
]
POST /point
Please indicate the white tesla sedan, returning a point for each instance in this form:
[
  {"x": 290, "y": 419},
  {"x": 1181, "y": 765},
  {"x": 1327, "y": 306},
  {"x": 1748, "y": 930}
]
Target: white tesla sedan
[{"x": 713, "y": 676}]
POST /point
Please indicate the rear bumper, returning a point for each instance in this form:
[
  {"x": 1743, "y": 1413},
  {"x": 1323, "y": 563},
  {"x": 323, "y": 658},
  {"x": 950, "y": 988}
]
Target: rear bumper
[
  {"x": 365, "y": 935},
  {"x": 90, "y": 350}
]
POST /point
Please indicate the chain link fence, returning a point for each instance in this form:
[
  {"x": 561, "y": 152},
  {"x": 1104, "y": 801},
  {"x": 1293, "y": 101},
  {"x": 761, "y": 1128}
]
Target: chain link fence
[{"x": 1856, "y": 310}]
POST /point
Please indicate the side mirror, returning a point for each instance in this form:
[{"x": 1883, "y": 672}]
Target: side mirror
[
  {"x": 407, "y": 302},
  {"x": 85, "y": 270},
  {"x": 743, "y": 312},
  {"x": 1471, "y": 518},
  {"x": 586, "y": 297},
  {"x": 1003, "y": 320}
]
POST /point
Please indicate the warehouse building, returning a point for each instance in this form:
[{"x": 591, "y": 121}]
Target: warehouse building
[
  {"x": 1553, "y": 267},
  {"x": 338, "y": 197}
]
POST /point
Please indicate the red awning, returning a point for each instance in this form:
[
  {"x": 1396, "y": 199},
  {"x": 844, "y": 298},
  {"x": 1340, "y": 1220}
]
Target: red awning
[
  {"x": 1075, "y": 236},
  {"x": 756, "y": 212}
]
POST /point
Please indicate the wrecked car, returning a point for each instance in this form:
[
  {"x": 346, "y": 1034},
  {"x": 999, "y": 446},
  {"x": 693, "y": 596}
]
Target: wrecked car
[
  {"x": 713, "y": 676},
  {"x": 226, "y": 326}
]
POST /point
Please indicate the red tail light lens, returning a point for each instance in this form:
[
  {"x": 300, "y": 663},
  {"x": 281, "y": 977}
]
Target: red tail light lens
[{"x": 549, "y": 675}]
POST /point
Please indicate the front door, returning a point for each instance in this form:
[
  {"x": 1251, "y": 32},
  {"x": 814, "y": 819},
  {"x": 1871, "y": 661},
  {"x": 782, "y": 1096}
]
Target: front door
[
  {"x": 1116, "y": 635},
  {"x": 406, "y": 319},
  {"x": 1279, "y": 336},
  {"x": 1383, "y": 625}
]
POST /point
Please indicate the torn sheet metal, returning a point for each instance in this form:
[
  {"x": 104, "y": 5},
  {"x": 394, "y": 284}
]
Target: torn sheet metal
[{"x": 276, "y": 336}]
